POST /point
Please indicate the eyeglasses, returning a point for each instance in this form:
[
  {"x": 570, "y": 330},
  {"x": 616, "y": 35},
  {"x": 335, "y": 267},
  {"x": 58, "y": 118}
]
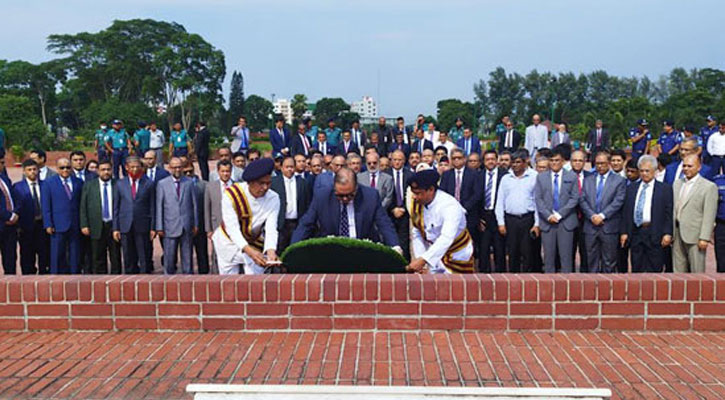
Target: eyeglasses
[
  {"x": 63, "y": 168},
  {"x": 345, "y": 197}
]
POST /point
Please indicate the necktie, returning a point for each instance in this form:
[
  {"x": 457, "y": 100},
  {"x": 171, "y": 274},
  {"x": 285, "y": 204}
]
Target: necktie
[
  {"x": 244, "y": 138},
  {"x": 133, "y": 189},
  {"x": 556, "y": 192},
  {"x": 509, "y": 138},
  {"x": 178, "y": 188},
  {"x": 468, "y": 146},
  {"x": 579, "y": 183},
  {"x": 458, "y": 185},
  {"x": 489, "y": 189},
  {"x": 324, "y": 148},
  {"x": 398, "y": 190},
  {"x": 599, "y": 137},
  {"x": 639, "y": 210},
  {"x": 152, "y": 171},
  {"x": 67, "y": 188},
  {"x": 36, "y": 200},
  {"x": 420, "y": 146},
  {"x": 106, "y": 211},
  {"x": 372, "y": 180},
  {"x": 600, "y": 187},
  {"x": 304, "y": 143},
  {"x": 8, "y": 200},
  {"x": 344, "y": 223}
]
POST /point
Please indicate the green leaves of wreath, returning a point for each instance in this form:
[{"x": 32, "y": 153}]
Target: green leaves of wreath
[{"x": 341, "y": 255}]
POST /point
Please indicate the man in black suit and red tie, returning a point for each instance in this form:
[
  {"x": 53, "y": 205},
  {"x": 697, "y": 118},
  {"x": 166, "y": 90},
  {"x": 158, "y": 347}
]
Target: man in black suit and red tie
[{"x": 300, "y": 143}]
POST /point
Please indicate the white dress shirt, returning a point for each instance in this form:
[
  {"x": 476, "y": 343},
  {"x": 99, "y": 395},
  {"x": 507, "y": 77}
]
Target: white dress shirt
[
  {"x": 156, "y": 139},
  {"x": 43, "y": 173},
  {"x": 647, "y": 211},
  {"x": 716, "y": 144},
  {"x": 80, "y": 174},
  {"x": 290, "y": 190},
  {"x": 109, "y": 193},
  {"x": 509, "y": 139}
]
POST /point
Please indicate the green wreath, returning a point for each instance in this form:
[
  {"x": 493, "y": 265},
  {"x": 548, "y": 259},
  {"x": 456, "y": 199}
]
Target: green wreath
[{"x": 341, "y": 255}]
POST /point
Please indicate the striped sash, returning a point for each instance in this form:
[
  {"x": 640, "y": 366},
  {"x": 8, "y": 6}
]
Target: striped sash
[
  {"x": 459, "y": 243},
  {"x": 244, "y": 214}
]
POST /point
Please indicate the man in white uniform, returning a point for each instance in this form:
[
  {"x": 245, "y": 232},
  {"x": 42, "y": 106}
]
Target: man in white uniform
[
  {"x": 537, "y": 137},
  {"x": 440, "y": 239},
  {"x": 248, "y": 232}
]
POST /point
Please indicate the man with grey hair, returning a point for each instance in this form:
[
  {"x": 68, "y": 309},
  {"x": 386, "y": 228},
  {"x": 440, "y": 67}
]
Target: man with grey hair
[
  {"x": 373, "y": 178},
  {"x": 647, "y": 219},
  {"x": 354, "y": 162},
  {"x": 673, "y": 171}
]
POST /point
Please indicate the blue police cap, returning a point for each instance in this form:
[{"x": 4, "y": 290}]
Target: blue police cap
[
  {"x": 278, "y": 155},
  {"x": 710, "y": 118},
  {"x": 117, "y": 122},
  {"x": 424, "y": 179},
  {"x": 142, "y": 124},
  {"x": 257, "y": 169},
  {"x": 668, "y": 122},
  {"x": 642, "y": 122},
  {"x": 330, "y": 120}
]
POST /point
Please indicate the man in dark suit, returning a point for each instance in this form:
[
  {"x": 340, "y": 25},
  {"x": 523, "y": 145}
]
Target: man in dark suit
[
  {"x": 34, "y": 240},
  {"x": 358, "y": 135},
  {"x": 279, "y": 137},
  {"x": 578, "y": 159},
  {"x": 557, "y": 197},
  {"x": 421, "y": 143},
  {"x": 200, "y": 242},
  {"x": 346, "y": 144},
  {"x": 647, "y": 218},
  {"x": 177, "y": 221},
  {"x": 349, "y": 210},
  {"x": 78, "y": 163},
  {"x": 300, "y": 143},
  {"x": 510, "y": 140},
  {"x": 153, "y": 171},
  {"x": 96, "y": 220},
  {"x": 399, "y": 144},
  {"x": 384, "y": 132},
  {"x": 598, "y": 139},
  {"x": 487, "y": 224},
  {"x": 468, "y": 143},
  {"x": 61, "y": 199},
  {"x": 601, "y": 202},
  {"x": 465, "y": 185},
  {"x": 294, "y": 198},
  {"x": 322, "y": 146},
  {"x": 201, "y": 149},
  {"x": 8, "y": 221},
  {"x": 398, "y": 211},
  {"x": 134, "y": 202}
]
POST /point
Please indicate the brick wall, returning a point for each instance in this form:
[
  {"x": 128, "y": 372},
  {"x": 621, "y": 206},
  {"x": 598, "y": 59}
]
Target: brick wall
[{"x": 365, "y": 302}]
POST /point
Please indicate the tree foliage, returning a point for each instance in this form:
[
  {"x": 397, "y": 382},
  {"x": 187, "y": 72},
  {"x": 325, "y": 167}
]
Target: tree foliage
[
  {"x": 299, "y": 105},
  {"x": 258, "y": 111},
  {"x": 327, "y": 108},
  {"x": 236, "y": 98}
]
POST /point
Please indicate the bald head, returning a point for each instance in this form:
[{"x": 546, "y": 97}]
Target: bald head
[{"x": 691, "y": 166}]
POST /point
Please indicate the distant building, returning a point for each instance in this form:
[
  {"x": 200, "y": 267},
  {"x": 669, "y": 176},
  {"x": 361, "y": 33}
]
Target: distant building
[
  {"x": 366, "y": 108},
  {"x": 283, "y": 107}
]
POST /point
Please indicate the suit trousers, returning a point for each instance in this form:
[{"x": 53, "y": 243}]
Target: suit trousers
[
  {"x": 602, "y": 252},
  {"x": 646, "y": 251},
  {"x": 720, "y": 245},
  {"x": 174, "y": 245},
  {"x": 491, "y": 239},
  {"x": 717, "y": 164},
  {"x": 686, "y": 257},
  {"x": 64, "y": 249},
  {"x": 201, "y": 248},
  {"x": 623, "y": 259},
  {"x": 104, "y": 248},
  {"x": 581, "y": 247},
  {"x": 9, "y": 250},
  {"x": 285, "y": 234},
  {"x": 203, "y": 160},
  {"x": 402, "y": 230},
  {"x": 520, "y": 244},
  {"x": 559, "y": 241},
  {"x": 34, "y": 245},
  {"x": 135, "y": 247},
  {"x": 86, "y": 256}
]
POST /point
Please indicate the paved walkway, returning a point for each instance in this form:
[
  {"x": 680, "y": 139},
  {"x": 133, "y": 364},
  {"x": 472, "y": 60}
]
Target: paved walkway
[{"x": 159, "y": 365}]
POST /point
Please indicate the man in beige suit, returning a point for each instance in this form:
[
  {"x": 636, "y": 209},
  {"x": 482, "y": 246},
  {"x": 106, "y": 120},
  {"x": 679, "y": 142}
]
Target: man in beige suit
[
  {"x": 213, "y": 202},
  {"x": 695, "y": 208}
]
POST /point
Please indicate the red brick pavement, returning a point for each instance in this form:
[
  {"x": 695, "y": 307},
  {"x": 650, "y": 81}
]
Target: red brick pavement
[{"x": 160, "y": 364}]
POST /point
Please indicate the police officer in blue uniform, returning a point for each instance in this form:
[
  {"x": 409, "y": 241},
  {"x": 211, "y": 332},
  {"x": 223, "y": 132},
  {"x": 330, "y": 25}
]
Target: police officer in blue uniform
[
  {"x": 669, "y": 140},
  {"x": 705, "y": 132},
  {"x": 689, "y": 131},
  {"x": 640, "y": 138},
  {"x": 720, "y": 223}
]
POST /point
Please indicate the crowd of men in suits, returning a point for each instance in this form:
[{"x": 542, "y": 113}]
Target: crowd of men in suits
[{"x": 531, "y": 205}]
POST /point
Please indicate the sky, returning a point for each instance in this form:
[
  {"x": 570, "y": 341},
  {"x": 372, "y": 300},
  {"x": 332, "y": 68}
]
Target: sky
[{"x": 407, "y": 54}]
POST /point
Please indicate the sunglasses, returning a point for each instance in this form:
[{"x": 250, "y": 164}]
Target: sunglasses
[
  {"x": 62, "y": 168},
  {"x": 345, "y": 196}
]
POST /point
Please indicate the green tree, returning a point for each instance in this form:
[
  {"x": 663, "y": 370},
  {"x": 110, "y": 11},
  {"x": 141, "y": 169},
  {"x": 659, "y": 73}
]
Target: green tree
[
  {"x": 236, "y": 98},
  {"x": 450, "y": 109},
  {"x": 37, "y": 81},
  {"x": 21, "y": 124},
  {"x": 259, "y": 112},
  {"x": 327, "y": 108},
  {"x": 299, "y": 105}
]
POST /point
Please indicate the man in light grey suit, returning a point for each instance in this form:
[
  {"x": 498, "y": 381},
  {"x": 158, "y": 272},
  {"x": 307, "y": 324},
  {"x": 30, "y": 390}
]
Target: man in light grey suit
[
  {"x": 601, "y": 203},
  {"x": 560, "y": 136},
  {"x": 695, "y": 208},
  {"x": 176, "y": 216},
  {"x": 557, "y": 197},
  {"x": 373, "y": 178}
]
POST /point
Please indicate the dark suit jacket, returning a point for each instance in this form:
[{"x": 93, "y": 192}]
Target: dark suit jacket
[
  {"x": 568, "y": 199},
  {"x": 660, "y": 213},
  {"x": 593, "y": 140},
  {"x": 5, "y": 213},
  {"x": 24, "y": 205},
  {"x": 297, "y": 147},
  {"x": 404, "y": 147},
  {"x": 407, "y": 174},
  {"x": 427, "y": 144},
  {"x": 471, "y": 193},
  {"x": 501, "y": 173},
  {"x": 303, "y": 197},
  {"x": 475, "y": 145},
  {"x": 341, "y": 148},
  {"x": 671, "y": 171},
  {"x": 363, "y": 138},
  {"x": 277, "y": 143},
  {"x": 159, "y": 174},
  {"x": 92, "y": 206},
  {"x": 59, "y": 212},
  {"x": 328, "y": 150},
  {"x": 139, "y": 214},
  {"x": 515, "y": 141},
  {"x": 612, "y": 200},
  {"x": 385, "y": 134},
  {"x": 324, "y": 213},
  {"x": 201, "y": 143}
]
